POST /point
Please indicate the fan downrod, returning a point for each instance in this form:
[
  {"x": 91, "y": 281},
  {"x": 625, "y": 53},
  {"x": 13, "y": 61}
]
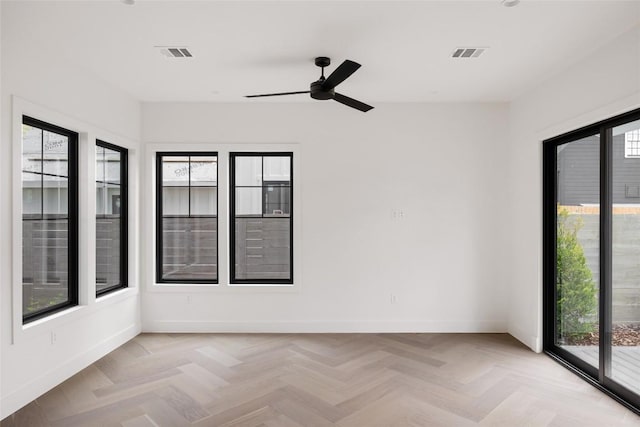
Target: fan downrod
[
  {"x": 322, "y": 61},
  {"x": 316, "y": 89}
]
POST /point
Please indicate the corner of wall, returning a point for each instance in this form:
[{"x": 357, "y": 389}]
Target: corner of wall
[
  {"x": 532, "y": 341},
  {"x": 57, "y": 374},
  {"x": 589, "y": 91}
]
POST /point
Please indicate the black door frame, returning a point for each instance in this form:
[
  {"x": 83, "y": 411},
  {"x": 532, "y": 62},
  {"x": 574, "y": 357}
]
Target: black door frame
[{"x": 598, "y": 377}]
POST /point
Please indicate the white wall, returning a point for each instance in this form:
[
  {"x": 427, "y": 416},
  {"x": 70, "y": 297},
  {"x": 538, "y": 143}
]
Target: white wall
[
  {"x": 50, "y": 87},
  {"x": 602, "y": 85},
  {"x": 443, "y": 165}
]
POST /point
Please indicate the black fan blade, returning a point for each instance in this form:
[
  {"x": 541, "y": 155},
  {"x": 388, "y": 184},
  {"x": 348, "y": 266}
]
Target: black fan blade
[
  {"x": 353, "y": 103},
  {"x": 277, "y": 94},
  {"x": 340, "y": 74}
]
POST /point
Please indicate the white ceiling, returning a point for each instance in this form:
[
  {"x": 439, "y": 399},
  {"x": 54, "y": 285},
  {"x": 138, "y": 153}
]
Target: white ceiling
[{"x": 244, "y": 47}]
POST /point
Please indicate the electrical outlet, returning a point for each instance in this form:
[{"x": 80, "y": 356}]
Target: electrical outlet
[
  {"x": 188, "y": 299},
  {"x": 53, "y": 337},
  {"x": 394, "y": 299}
]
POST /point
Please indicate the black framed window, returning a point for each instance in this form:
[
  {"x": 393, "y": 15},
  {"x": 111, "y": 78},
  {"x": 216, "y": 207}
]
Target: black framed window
[
  {"x": 187, "y": 217},
  {"x": 632, "y": 143},
  {"x": 592, "y": 255},
  {"x": 261, "y": 226},
  {"x": 111, "y": 217},
  {"x": 49, "y": 219}
]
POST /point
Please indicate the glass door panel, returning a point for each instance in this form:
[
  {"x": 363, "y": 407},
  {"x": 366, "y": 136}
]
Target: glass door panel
[
  {"x": 625, "y": 241},
  {"x": 578, "y": 248}
]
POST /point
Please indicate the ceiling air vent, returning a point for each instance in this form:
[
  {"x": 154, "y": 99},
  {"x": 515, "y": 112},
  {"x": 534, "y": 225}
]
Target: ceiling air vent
[
  {"x": 175, "y": 52},
  {"x": 468, "y": 52}
]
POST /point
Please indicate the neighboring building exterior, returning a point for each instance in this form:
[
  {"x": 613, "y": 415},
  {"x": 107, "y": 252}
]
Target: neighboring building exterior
[{"x": 579, "y": 171}]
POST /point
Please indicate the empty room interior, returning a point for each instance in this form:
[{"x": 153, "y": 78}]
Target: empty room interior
[{"x": 313, "y": 213}]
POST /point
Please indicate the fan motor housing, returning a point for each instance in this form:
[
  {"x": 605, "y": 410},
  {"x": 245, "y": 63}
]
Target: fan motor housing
[{"x": 318, "y": 92}]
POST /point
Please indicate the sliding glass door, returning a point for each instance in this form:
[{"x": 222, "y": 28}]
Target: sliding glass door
[
  {"x": 625, "y": 256},
  {"x": 577, "y": 247},
  {"x": 592, "y": 253}
]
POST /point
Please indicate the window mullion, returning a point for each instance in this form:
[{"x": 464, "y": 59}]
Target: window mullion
[
  {"x": 42, "y": 175},
  {"x": 262, "y": 206}
]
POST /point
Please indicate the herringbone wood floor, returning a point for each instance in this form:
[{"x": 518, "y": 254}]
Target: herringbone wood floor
[{"x": 320, "y": 380}]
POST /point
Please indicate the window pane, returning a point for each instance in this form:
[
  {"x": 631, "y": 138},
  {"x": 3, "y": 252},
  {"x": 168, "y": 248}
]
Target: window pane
[
  {"x": 108, "y": 201},
  {"x": 277, "y": 169},
  {"x": 108, "y": 251},
  {"x": 112, "y": 199},
  {"x": 55, "y": 154},
  {"x": 248, "y": 201},
  {"x": 631, "y": 142},
  {"x": 45, "y": 250},
  {"x": 112, "y": 165},
  {"x": 248, "y": 171},
  {"x": 175, "y": 171},
  {"x": 625, "y": 353},
  {"x": 101, "y": 198},
  {"x": 277, "y": 200},
  {"x": 175, "y": 201},
  {"x": 55, "y": 195},
  {"x": 189, "y": 248},
  {"x": 203, "y": 200},
  {"x": 204, "y": 171},
  {"x": 578, "y": 246},
  {"x": 31, "y": 149},
  {"x": 31, "y": 193},
  {"x": 262, "y": 248},
  {"x": 99, "y": 163}
]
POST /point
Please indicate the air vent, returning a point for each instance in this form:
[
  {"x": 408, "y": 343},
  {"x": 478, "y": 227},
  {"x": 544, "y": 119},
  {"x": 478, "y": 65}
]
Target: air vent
[
  {"x": 468, "y": 52},
  {"x": 175, "y": 52}
]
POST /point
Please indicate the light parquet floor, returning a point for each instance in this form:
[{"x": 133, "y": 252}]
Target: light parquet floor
[{"x": 292, "y": 380}]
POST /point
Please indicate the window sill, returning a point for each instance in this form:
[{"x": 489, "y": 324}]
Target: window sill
[
  {"x": 222, "y": 288},
  {"x": 24, "y": 332},
  {"x": 260, "y": 285},
  {"x": 53, "y": 318},
  {"x": 115, "y": 297}
]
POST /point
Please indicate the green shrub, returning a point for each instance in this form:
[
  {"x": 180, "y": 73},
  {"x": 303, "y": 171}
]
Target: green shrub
[{"x": 576, "y": 289}]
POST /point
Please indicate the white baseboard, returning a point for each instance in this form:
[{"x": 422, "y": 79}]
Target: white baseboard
[
  {"x": 486, "y": 326},
  {"x": 531, "y": 341},
  {"x": 56, "y": 375}
]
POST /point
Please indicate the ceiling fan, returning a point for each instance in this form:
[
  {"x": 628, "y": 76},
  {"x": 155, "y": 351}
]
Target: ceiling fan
[{"x": 324, "y": 88}]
